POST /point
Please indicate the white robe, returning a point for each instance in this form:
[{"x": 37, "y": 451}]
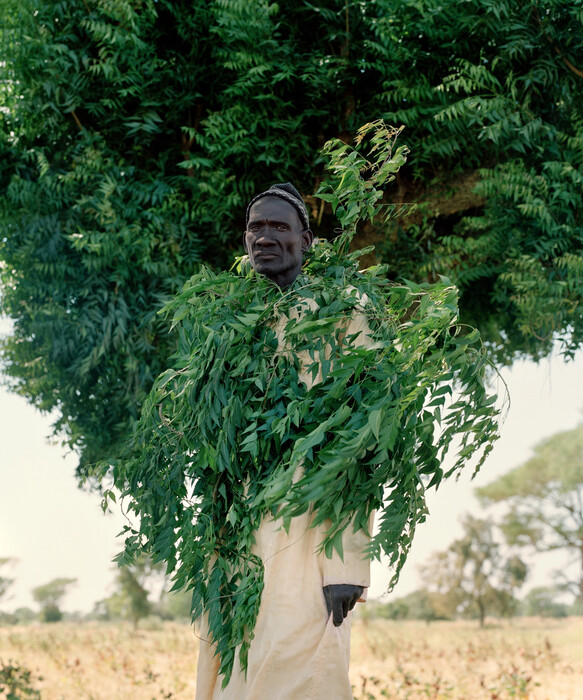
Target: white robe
[{"x": 297, "y": 653}]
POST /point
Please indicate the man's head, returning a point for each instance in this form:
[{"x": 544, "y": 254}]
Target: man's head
[{"x": 277, "y": 233}]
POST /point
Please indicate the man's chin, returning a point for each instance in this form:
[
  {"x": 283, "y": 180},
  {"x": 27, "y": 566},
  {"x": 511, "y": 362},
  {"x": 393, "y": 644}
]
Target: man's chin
[{"x": 265, "y": 266}]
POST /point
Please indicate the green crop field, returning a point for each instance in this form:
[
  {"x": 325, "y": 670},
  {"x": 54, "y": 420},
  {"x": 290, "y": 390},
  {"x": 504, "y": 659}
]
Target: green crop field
[{"x": 527, "y": 658}]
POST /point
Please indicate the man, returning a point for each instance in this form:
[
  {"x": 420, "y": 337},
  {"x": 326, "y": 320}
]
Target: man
[{"x": 301, "y": 647}]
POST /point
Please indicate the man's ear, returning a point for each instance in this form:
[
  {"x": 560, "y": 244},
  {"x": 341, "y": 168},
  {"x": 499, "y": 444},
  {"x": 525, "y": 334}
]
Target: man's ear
[
  {"x": 307, "y": 240},
  {"x": 245, "y": 242}
]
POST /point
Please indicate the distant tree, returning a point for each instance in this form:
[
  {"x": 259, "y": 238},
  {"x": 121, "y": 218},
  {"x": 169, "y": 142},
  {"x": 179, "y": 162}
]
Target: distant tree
[
  {"x": 174, "y": 605},
  {"x": 131, "y": 599},
  {"x": 512, "y": 577},
  {"x": 544, "y": 499},
  {"x": 49, "y": 597},
  {"x": 417, "y": 605},
  {"x": 24, "y": 616},
  {"x": 5, "y": 582},
  {"x": 101, "y": 611},
  {"x": 471, "y": 577},
  {"x": 543, "y": 601},
  {"x": 394, "y": 610},
  {"x": 133, "y": 133},
  {"x": 7, "y": 619},
  {"x": 442, "y": 577}
]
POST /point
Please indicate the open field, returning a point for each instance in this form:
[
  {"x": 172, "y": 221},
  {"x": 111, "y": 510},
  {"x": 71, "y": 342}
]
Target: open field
[{"x": 529, "y": 658}]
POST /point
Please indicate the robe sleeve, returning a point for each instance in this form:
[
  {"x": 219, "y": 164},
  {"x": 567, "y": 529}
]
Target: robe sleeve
[{"x": 354, "y": 568}]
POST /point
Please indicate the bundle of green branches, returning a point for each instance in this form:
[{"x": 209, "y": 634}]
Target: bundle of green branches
[{"x": 224, "y": 431}]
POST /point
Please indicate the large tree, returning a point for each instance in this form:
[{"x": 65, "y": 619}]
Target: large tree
[
  {"x": 472, "y": 576},
  {"x": 133, "y": 133},
  {"x": 544, "y": 499}
]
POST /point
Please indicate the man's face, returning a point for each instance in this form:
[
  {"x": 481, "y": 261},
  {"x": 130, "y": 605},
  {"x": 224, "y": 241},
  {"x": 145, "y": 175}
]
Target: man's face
[{"x": 275, "y": 240}]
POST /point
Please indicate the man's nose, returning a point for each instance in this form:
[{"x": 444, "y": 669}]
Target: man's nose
[{"x": 265, "y": 239}]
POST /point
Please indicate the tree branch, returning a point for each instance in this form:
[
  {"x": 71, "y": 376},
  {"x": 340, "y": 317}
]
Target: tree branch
[{"x": 77, "y": 121}]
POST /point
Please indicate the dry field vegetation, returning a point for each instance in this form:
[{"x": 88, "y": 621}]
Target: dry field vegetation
[{"x": 529, "y": 658}]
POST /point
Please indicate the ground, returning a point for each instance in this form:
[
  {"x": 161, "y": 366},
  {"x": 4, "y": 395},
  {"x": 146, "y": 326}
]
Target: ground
[{"x": 528, "y": 658}]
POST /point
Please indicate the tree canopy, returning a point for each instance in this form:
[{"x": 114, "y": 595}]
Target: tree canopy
[
  {"x": 133, "y": 134},
  {"x": 544, "y": 499}
]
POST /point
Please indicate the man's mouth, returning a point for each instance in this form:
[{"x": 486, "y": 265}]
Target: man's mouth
[{"x": 266, "y": 256}]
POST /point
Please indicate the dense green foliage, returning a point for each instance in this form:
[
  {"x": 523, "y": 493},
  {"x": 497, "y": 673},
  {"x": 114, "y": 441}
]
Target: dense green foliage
[
  {"x": 496, "y": 110},
  {"x": 544, "y": 499},
  {"x": 228, "y": 429},
  {"x": 133, "y": 132}
]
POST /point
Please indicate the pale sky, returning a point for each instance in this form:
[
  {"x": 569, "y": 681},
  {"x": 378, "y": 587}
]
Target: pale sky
[{"x": 53, "y": 529}]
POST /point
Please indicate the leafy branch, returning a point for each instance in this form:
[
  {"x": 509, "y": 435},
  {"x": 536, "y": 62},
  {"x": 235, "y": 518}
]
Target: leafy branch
[{"x": 368, "y": 421}]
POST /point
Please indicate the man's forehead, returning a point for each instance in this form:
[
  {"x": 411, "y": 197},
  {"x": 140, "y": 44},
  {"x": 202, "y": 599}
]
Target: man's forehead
[{"x": 273, "y": 207}]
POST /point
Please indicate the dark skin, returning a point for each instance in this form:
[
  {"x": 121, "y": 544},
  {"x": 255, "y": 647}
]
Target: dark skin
[
  {"x": 275, "y": 241},
  {"x": 340, "y": 599}
]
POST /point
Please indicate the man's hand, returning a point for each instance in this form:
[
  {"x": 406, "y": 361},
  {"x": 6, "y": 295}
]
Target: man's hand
[{"x": 340, "y": 599}]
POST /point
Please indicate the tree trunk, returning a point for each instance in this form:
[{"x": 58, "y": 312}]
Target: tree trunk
[{"x": 482, "y": 610}]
